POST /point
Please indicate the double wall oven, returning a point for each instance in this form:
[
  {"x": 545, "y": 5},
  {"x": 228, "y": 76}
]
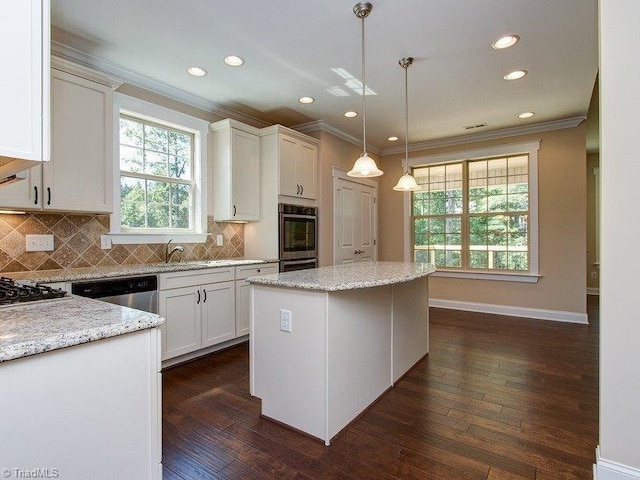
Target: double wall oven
[{"x": 298, "y": 237}]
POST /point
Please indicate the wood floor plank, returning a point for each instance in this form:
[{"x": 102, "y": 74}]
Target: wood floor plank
[{"x": 497, "y": 398}]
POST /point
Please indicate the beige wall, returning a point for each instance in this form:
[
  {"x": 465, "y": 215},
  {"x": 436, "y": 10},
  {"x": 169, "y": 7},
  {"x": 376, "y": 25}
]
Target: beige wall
[
  {"x": 562, "y": 228},
  {"x": 593, "y": 161}
]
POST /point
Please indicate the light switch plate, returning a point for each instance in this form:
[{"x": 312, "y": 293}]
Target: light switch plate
[
  {"x": 39, "y": 243},
  {"x": 219, "y": 240},
  {"x": 105, "y": 242}
]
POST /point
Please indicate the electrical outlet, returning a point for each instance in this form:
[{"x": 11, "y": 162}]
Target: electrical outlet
[
  {"x": 105, "y": 242},
  {"x": 39, "y": 243},
  {"x": 219, "y": 240},
  {"x": 285, "y": 320},
  {"x": 594, "y": 274}
]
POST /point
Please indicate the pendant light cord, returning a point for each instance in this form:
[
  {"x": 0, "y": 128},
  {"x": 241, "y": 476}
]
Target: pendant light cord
[
  {"x": 364, "y": 103},
  {"x": 406, "y": 120}
]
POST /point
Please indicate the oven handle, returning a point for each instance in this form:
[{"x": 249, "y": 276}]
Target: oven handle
[{"x": 292, "y": 215}]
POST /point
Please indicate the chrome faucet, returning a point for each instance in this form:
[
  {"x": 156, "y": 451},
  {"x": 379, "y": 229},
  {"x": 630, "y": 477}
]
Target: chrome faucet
[{"x": 168, "y": 252}]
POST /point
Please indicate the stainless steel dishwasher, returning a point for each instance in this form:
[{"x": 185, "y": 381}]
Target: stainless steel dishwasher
[{"x": 135, "y": 292}]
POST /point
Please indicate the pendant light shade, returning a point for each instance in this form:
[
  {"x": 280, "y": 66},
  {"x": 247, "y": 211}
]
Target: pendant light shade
[
  {"x": 406, "y": 183},
  {"x": 365, "y": 166}
]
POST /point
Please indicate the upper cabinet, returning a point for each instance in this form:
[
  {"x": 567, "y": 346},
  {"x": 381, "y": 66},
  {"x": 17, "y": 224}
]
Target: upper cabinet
[
  {"x": 24, "y": 86},
  {"x": 79, "y": 177},
  {"x": 296, "y": 156},
  {"x": 236, "y": 172}
]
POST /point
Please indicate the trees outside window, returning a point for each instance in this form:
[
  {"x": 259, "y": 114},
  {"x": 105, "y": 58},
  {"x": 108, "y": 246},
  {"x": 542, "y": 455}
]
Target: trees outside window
[
  {"x": 473, "y": 215},
  {"x": 156, "y": 176}
]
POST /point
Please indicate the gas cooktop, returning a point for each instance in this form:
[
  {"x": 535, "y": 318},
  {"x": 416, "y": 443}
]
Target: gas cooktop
[{"x": 14, "y": 293}]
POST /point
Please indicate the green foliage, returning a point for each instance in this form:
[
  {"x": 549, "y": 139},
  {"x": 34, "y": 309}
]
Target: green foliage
[{"x": 151, "y": 151}]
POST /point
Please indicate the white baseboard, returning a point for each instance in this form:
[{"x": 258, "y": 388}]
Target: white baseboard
[
  {"x": 608, "y": 470},
  {"x": 539, "y": 313},
  {"x": 205, "y": 351},
  {"x": 593, "y": 291}
]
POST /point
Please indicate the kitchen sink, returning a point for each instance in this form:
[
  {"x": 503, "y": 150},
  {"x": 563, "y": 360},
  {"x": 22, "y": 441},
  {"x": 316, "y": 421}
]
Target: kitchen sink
[{"x": 227, "y": 263}]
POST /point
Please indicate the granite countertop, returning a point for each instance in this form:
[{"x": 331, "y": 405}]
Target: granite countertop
[
  {"x": 347, "y": 277},
  {"x": 91, "y": 273},
  {"x": 39, "y": 327}
]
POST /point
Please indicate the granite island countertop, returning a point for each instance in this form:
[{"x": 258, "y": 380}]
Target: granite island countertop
[
  {"x": 38, "y": 327},
  {"x": 93, "y": 273},
  {"x": 347, "y": 277}
]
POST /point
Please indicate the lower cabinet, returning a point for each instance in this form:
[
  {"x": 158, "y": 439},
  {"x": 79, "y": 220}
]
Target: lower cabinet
[
  {"x": 203, "y": 308},
  {"x": 242, "y": 293},
  {"x": 197, "y": 316},
  {"x": 88, "y": 411}
]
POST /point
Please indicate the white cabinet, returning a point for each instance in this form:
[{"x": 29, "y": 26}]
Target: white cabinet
[
  {"x": 242, "y": 293},
  {"x": 81, "y": 144},
  {"x": 199, "y": 309},
  {"x": 75, "y": 410},
  {"x": 236, "y": 171},
  {"x": 297, "y": 167},
  {"x": 24, "y": 92}
]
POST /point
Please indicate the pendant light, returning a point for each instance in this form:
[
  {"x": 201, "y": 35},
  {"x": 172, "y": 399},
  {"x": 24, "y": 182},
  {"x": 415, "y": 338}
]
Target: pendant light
[
  {"x": 365, "y": 166},
  {"x": 406, "y": 183}
]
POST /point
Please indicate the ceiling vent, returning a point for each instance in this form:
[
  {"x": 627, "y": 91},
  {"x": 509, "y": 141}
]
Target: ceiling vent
[{"x": 471, "y": 127}]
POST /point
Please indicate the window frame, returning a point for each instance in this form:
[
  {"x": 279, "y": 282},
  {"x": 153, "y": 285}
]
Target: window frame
[
  {"x": 171, "y": 119},
  {"x": 529, "y": 148}
]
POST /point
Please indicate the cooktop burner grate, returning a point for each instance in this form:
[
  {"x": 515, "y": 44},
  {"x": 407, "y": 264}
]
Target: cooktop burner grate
[{"x": 12, "y": 292}]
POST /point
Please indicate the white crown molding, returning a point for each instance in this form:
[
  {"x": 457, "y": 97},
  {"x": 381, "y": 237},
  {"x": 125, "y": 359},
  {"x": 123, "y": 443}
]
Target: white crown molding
[
  {"x": 86, "y": 60},
  {"x": 495, "y": 134},
  {"x": 322, "y": 125},
  {"x": 70, "y": 66}
]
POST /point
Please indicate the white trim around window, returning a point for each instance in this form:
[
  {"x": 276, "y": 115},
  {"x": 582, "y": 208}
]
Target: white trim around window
[
  {"x": 531, "y": 148},
  {"x": 124, "y": 104}
]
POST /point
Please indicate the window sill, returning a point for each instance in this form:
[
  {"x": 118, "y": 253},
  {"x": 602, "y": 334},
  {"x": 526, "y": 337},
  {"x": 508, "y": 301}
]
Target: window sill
[
  {"x": 503, "y": 277},
  {"x": 152, "y": 238}
]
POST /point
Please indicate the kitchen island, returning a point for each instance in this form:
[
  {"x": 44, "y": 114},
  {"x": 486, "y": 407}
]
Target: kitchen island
[
  {"x": 327, "y": 342},
  {"x": 81, "y": 391}
]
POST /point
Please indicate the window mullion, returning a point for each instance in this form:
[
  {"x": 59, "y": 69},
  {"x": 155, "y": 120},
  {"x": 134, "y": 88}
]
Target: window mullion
[{"x": 464, "y": 240}]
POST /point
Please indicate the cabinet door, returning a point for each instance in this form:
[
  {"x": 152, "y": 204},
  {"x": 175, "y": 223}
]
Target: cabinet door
[
  {"x": 181, "y": 332},
  {"x": 287, "y": 164},
  {"x": 242, "y": 308},
  {"x": 245, "y": 181},
  {"x": 24, "y": 41},
  {"x": 306, "y": 170},
  {"x": 81, "y": 145},
  {"x": 218, "y": 313}
]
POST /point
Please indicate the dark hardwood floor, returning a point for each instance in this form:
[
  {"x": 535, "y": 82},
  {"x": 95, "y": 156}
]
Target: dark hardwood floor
[{"x": 497, "y": 398}]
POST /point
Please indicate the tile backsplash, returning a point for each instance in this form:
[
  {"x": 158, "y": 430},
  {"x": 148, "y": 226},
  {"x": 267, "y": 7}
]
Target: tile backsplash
[{"x": 77, "y": 243}]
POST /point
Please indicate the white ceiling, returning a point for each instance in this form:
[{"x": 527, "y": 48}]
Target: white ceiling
[{"x": 291, "y": 48}]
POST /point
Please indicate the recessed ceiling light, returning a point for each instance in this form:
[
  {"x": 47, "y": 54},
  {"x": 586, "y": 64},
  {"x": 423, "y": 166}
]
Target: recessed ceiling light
[
  {"x": 505, "y": 42},
  {"x": 515, "y": 75},
  {"x": 393, "y": 139},
  {"x": 306, "y": 99},
  {"x": 233, "y": 60},
  {"x": 526, "y": 115},
  {"x": 196, "y": 71},
  {"x": 350, "y": 114}
]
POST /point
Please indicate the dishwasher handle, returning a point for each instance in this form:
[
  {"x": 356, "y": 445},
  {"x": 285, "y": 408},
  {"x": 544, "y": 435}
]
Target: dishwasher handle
[{"x": 115, "y": 286}]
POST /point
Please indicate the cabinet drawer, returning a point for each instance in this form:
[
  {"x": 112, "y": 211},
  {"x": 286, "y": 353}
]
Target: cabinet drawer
[
  {"x": 195, "y": 277},
  {"x": 253, "y": 270}
]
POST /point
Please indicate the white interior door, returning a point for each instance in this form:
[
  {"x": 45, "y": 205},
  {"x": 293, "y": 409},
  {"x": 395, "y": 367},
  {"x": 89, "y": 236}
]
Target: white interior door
[{"x": 355, "y": 221}]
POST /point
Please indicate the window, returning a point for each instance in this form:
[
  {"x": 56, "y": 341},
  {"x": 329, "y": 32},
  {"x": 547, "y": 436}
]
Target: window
[
  {"x": 156, "y": 176},
  {"x": 478, "y": 215},
  {"x": 160, "y": 167}
]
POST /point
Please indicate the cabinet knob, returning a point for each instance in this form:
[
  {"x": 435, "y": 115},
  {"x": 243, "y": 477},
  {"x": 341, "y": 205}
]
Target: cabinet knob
[
  {"x": 205, "y": 295},
  {"x": 198, "y": 301},
  {"x": 234, "y": 210},
  {"x": 35, "y": 191},
  {"x": 48, "y": 195}
]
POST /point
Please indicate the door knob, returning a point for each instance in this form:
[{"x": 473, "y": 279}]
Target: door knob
[{"x": 359, "y": 251}]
